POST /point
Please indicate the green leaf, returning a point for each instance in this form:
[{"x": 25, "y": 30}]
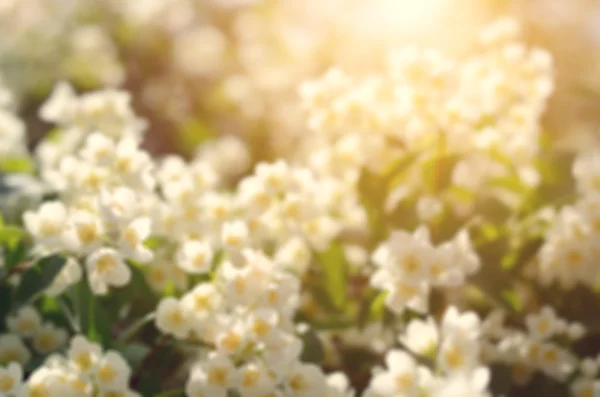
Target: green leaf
[
  {"x": 172, "y": 393},
  {"x": 134, "y": 353},
  {"x": 38, "y": 277},
  {"x": 437, "y": 172},
  {"x": 149, "y": 384},
  {"x": 94, "y": 322},
  {"x": 192, "y": 133},
  {"x": 22, "y": 165},
  {"x": 371, "y": 308},
  {"x": 14, "y": 254},
  {"x": 313, "y": 351},
  {"x": 5, "y": 304},
  {"x": 136, "y": 326},
  {"x": 334, "y": 277},
  {"x": 10, "y": 234},
  {"x": 513, "y": 299}
]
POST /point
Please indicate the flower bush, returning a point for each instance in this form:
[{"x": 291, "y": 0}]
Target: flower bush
[{"x": 425, "y": 237}]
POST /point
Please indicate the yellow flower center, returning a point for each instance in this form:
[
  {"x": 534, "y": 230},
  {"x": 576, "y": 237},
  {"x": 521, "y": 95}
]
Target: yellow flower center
[
  {"x": 261, "y": 327},
  {"x": 48, "y": 228},
  {"x": 107, "y": 374},
  {"x": 6, "y": 383},
  {"x": 105, "y": 264},
  {"x": 26, "y": 325},
  {"x": 84, "y": 361},
  {"x": 202, "y": 303},
  {"x": 454, "y": 357},
  {"x": 87, "y": 233},
  {"x": 218, "y": 377},
  {"x": 251, "y": 378},
  {"x": 411, "y": 263},
  {"x": 404, "y": 382},
  {"x": 298, "y": 383},
  {"x": 46, "y": 341},
  {"x": 231, "y": 341}
]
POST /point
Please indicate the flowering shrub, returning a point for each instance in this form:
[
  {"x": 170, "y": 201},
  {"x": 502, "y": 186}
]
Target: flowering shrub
[{"x": 425, "y": 237}]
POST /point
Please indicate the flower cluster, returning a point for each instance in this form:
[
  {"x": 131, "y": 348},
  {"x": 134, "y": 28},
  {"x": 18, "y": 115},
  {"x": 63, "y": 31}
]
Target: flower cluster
[
  {"x": 85, "y": 370},
  {"x": 297, "y": 275},
  {"x": 28, "y": 332},
  {"x": 409, "y": 266},
  {"x": 569, "y": 252},
  {"x": 454, "y": 346}
]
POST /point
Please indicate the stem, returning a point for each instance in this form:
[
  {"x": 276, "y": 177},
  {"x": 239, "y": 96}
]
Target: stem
[
  {"x": 171, "y": 393},
  {"x": 135, "y": 327},
  {"x": 146, "y": 361}
]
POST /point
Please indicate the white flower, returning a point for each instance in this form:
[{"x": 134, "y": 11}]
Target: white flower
[
  {"x": 47, "y": 223},
  {"x": 83, "y": 354},
  {"x": 575, "y": 331},
  {"x": 45, "y": 382},
  {"x": 420, "y": 336},
  {"x": 588, "y": 367},
  {"x": 338, "y": 385},
  {"x": 25, "y": 323},
  {"x": 262, "y": 324},
  {"x": 12, "y": 135},
  {"x": 118, "y": 206},
  {"x": 457, "y": 354},
  {"x": 401, "y": 377},
  {"x": 49, "y": 338},
  {"x": 112, "y": 371},
  {"x": 70, "y": 274},
  {"x": 212, "y": 377},
  {"x": 12, "y": 349},
  {"x": 132, "y": 240},
  {"x": 464, "y": 384},
  {"x": 11, "y": 379},
  {"x": 59, "y": 107},
  {"x": 465, "y": 325},
  {"x": 106, "y": 267},
  {"x": 429, "y": 207},
  {"x": 195, "y": 256},
  {"x": 585, "y": 388},
  {"x": 234, "y": 235},
  {"x": 202, "y": 302},
  {"x": 255, "y": 380},
  {"x": 295, "y": 255},
  {"x": 543, "y": 325},
  {"x": 84, "y": 232},
  {"x": 230, "y": 336},
  {"x": 274, "y": 176},
  {"x": 174, "y": 318},
  {"x": 99, "y": 149},
  {"x": 305, "y": 380}
]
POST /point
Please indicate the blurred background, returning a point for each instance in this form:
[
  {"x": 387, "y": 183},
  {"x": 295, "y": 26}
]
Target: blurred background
[{"x": 200, "y": 68}]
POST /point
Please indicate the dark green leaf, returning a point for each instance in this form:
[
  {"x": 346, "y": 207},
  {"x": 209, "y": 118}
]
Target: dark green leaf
[
  {"x": 23, "y": 165},
  {"x": 437, "y": 172},
  {"x": 513, "y": 299},
  {"x": 313, "y": 348},
  {"x": 93, "y": 319},
  {"x": 5, "y": 302},
  {"x": 38, "y": 277},
  {"x": 149, "y": 384},
  {"x": 334, "y": 277},
  {"x": 14, "y": 254},
  {"x": 134, "y": 353},
  {"x": 10, "y": 234}
]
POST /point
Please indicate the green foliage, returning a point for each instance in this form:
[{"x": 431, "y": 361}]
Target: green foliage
[
  {"x": 313, "y": 351},
  {"x": 22, "y": 165},
  {"x": 333, "y": 276},
  {"x": 92, "y": 317},
  {"x": 37, "y": 278}
]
